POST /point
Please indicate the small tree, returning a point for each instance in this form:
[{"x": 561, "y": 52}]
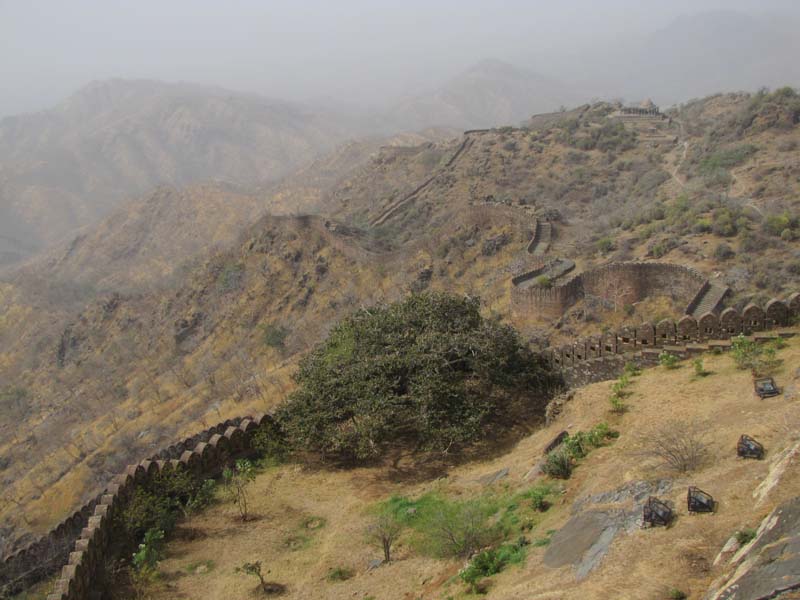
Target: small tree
[
  {"x": 236, "y": 482},
  {"x": 384, "y": 531},
  {"x": 254, "y": 569}
]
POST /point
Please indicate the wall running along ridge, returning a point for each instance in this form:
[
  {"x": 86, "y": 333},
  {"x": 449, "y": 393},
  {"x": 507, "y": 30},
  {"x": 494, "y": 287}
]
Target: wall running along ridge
[
  {"x": 207, "y": 453},
  {"x": 84, "y": 539},
  {"x": 603, "y": 357},
  {"x": 629, "y": 281}
]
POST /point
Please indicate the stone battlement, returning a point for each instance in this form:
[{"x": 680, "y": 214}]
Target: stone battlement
[
  {"x": 597, "y": 357},
  {"x": 620, "y": 283},
  {"x": 83, "y": 540}
]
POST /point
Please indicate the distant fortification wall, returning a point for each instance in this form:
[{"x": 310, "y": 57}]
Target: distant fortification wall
[
  {"x": 602, "y": 357},
  {"x": 621, "y": 283}
]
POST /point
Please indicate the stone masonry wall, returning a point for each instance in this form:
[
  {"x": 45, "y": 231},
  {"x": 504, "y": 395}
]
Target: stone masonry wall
[
  {"x": 602, "y": 357},
  {"x": 623, "y": 283},
  {"x": 82, "y": 541}
]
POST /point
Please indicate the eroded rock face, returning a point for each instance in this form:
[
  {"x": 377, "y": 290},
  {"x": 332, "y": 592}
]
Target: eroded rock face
[
  {"x": 769, "y": 567},
  {"x": 587, "y": 536}
]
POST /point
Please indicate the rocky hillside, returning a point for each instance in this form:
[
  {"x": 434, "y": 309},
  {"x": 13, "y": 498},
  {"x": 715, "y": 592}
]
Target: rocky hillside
[
  {"x": 92, "y": 380},
  {"x": 113, "y": 140}
]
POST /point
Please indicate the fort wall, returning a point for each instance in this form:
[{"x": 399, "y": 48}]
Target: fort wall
[
  {"x": 619, "y": 283},
  {"x": 602, "y": 357}
]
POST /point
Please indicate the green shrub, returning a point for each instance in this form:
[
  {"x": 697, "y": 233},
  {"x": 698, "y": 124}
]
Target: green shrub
[
  {"x": 631, "y": 370},
  {"x": 605, "y": 245},
  {"x": 340, "y": 574},
  {"x": 723, "y": 251},
  {"x": 539, "y": 497},
  {"x": 457, "y": 528},
  {"x": 699, "y": 368},
  {"x": 274, "y": 336},
  {"x": 427, "y": 372},
  {"x": 253, "y": 569},
  {"x": 558, "y": 464},
  {"x": 618, "y": 405},
  {"x": 676, "y": 594},
  {"x": 668, "y": 360},
  {"x": 745, "y": 536},
  {"x": 749, "y": 354},
  {"x": 230, "y": 277},
  {"x": 237, "y": 480},
  {"x": 492, "y": 561},
  {"x": 726, "y": 159},
  {"x": 544, "y": 281}
]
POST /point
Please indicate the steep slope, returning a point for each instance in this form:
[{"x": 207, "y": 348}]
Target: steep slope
[
  {"x": 64, "y": 168},
  {"x": 456, "y": 215}
]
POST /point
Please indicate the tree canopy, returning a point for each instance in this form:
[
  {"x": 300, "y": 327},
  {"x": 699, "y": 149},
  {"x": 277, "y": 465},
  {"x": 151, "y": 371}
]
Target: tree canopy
[{"x": 428, "y": 371}]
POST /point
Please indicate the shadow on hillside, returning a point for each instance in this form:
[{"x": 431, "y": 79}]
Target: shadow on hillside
[{"x": 410, "y": 466}]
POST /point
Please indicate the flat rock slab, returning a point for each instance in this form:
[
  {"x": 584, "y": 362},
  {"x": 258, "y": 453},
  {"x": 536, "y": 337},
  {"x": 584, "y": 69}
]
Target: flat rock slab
[
  {"x": 494, "y": 477},
  {"x": 770, "y": 566},
  {"x": 585, "y": 539}
]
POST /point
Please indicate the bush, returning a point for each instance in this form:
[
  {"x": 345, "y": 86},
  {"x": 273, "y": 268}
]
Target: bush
[
  {"x": 274, "y": 336},
  {"x": 750, "y": 355},
  {"x": 428, "y": 372},
  {"x": 605, "y": 245},
  {"x": 726, "y": 159},
  {"x": 544, "y": 281},
  {"x": 270, "y": 445},
  {"x": 558, "y": 464},
  {"x": 618, "y": 405},
  {"x": 340, "y": 574},
  {"x": 668, "y": 360},
  {"x": 676, "y": 594},
  {"x": 745, "y": 536},
  {"x": 538, "y": 496},
  {"x": 678, "y": 445},
  {"x": 452, "y": 529},
  {"x": 157, "y": 504},
  {"x": 492, "y": 561},
  {"x": 699, "y": 368},
  {"x": 723, "y": 251}
]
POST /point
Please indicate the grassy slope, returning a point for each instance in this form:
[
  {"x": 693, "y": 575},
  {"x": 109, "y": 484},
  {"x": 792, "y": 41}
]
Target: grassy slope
[{"x": 642, "y": 565}]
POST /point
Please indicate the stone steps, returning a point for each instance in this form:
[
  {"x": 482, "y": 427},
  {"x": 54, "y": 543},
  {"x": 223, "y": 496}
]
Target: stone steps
[{"x": 711, "y": 300}]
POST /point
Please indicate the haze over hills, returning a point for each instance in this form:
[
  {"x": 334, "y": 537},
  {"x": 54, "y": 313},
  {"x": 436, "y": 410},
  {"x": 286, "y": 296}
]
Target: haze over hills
[
  {"x": 114, "y": 140},
  {"x": 491, "y": 93},
  {"x": 690, "y": 57}
]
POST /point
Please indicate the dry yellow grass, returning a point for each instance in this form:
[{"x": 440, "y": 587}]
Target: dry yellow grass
[{"x": 641, "y": 566}]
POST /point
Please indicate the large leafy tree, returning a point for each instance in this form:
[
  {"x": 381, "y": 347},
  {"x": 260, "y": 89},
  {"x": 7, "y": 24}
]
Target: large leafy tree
[{"x": 428, "y": 371}]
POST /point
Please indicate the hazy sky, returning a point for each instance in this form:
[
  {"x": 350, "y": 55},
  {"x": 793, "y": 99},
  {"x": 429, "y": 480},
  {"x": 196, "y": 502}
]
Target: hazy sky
[{"x": 355, "y": 51}]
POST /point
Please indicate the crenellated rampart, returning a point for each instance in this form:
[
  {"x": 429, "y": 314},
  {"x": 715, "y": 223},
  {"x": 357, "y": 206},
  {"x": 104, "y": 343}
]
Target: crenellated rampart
[
  {"x": 603, "y": 356},
  {"x": 79, "y": 546},
  {"x": 618, "y": 283}
]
